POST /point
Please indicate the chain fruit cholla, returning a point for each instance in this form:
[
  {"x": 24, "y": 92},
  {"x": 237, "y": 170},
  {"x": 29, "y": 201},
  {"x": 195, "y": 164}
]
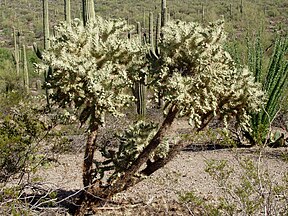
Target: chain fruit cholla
[{"x": 94, "y": 64}]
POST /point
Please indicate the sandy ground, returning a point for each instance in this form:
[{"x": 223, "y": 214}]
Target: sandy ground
[{"x": 184, "y": 173}]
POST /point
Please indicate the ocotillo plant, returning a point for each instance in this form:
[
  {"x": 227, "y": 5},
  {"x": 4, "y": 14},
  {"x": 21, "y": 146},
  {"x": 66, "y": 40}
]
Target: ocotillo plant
[
  {"x": 67, "y": 11},
  {"x": 25, "y": 71},
  {"x": 88, "y": 11}
]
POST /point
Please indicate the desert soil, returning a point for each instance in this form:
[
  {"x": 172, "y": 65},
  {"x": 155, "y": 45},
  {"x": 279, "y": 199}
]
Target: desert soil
[{"x": 184, "y": 173}]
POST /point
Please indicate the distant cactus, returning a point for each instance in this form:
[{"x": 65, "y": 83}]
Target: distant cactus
[
  {"x": 16, "y": 52},
  {"x": 46, "y": 25},
  {"x": 163, "y": 13},
  {"x": 230, "y": 11},
  {"x": 202, "y": 13},
  {"x": 140, "y": 86},
  {"x": 158, "y": 31},
  {"x": 151, "y": 32},
  {"x": 241, "y": 6},
  {"x": 67, "y": 11},
  {"x": 88, "y": 11},
  {"x": 25, "y": 70}
]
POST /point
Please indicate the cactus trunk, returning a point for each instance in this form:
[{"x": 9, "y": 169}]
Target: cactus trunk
[
  {"x": 25, "y": 70},
  {"x": 163, "y": 13},
  {"x": 16, "y": 53},
  {"x": 158, "y": 30},
  {"x": 46, "y": 25},
  {"x": 140, "y": 87},
  {"x": 88, "y": 11},
  {"x": 67, "y": 11}
]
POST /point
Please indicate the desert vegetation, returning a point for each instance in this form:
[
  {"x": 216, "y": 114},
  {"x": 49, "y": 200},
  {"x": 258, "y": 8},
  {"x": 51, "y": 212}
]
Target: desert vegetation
[{"x": 125, "y": 90}]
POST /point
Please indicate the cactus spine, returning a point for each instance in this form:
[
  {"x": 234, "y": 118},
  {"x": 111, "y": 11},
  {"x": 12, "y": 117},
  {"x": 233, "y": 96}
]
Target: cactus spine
[
  {"x": 67, "y": 11},
  {"x": 88, "y": 11},
  {"x": 25, "y": 70}
]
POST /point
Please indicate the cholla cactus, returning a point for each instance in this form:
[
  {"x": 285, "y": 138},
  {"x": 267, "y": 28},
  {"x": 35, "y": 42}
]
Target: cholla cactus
[
  {"x": 199, "y": 76},
  {"x": 90, "y": 66},
  {"x": 93, "y": 65},
  {"x": 131, "y": 143}
]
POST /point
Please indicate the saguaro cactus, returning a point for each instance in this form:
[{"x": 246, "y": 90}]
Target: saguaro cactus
[
  {"x": 241, "y": 6},
  {"x": 16, "y": 52},
  {"x": 151, "y": 32},
  {"x": 202, "y": 13},
  {"x": 25, "y": 71},
  {"x": 88, "y": 11},
  {"x": 67, "y": 11},
  {"x": 140, "y": 87},
  {"x": 158, "y": 30},
  {"x": 46, "y": 24},
  {"x": 163, "y": 13}
]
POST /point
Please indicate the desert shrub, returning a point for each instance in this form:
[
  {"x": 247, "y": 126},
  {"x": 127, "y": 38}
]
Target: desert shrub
[
  {"x": 248, "y": 190},
  {"x": 8, "y": 79},
  {"x": 20, "y": 132}
]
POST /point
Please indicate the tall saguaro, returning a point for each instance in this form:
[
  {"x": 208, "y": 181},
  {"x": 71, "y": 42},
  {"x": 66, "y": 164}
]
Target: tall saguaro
[
  {"x": 88, "y": 11},
  {"x": 25, "y": 70},
  {"x": 16, "y": 52},
  {"x": 46, "y": 25},
  {"x": 163, "y": 13},
  {"x": 67, "y": 11}
]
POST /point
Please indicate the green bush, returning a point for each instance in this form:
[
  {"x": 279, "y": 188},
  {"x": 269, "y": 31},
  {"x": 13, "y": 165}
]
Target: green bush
[{"x": 20, "y": 132}]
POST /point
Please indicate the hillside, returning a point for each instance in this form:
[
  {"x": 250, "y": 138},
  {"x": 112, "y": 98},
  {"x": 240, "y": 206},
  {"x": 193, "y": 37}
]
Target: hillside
[{"x": 26, "y": 16}]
